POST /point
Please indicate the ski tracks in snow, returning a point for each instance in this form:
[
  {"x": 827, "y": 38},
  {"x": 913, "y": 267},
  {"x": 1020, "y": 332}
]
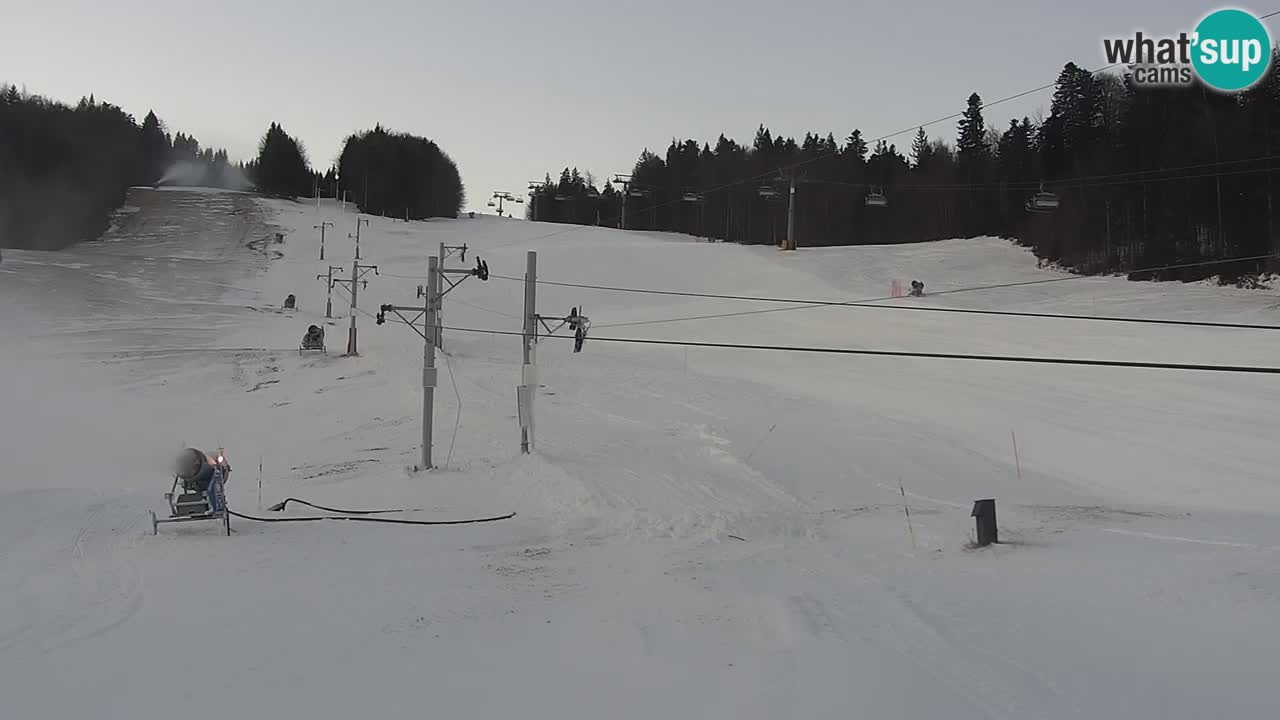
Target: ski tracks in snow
[
  {"x": 890, "y": 649},
  {"x": 70, "y": 586},
  {"x": 801, "y": 622},
  {"x": 101, "y": 559}
]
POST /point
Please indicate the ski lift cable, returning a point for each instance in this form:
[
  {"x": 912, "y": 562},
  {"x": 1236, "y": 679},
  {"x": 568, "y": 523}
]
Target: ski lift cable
[
  {"x": 482, "y": 308},
  {"x": 1252, "y": 369},
  {"x": 1180, "y": 178},
  {"x": 1068, "y": 184},
  {"x": 1078, "y": 181},
  {"x": 800, "y": 304}
]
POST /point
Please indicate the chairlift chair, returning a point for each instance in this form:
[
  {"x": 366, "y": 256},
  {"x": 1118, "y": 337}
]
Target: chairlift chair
[
  {"x": 875, "y": 198},
  {"x": 1042, "y": 201}
]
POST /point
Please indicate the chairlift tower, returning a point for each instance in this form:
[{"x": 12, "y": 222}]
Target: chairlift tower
[
  {"x": 625, "y": 182},
  {"x": 792, "y": 176},
  {"x": 526, "y": 391},
  {"x": 330, "y": 281},
  {"x": 432, "y": 294},
  {"x": 359, "y": 221},
  {"x": 500, "y": 196},
  {"x": 321, "y": 227},
  {"x": 629, "y": 189},
  {"x": 536, "y": 192},
  {"x": 353, "y": 285}
]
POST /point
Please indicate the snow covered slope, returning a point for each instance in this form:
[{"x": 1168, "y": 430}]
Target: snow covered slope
[{"x": 700, "y": 532}]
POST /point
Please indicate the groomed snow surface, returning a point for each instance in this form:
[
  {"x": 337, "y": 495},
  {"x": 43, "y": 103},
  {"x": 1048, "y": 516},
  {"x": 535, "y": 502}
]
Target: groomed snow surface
[{"x": 700, "y": 533}]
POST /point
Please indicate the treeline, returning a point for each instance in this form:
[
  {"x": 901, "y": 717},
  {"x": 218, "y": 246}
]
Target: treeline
[
  {"x": 1143, "y": 177},
  {"x": 399, "y": 175},
  {"x": 64, "y": 169},
  {"x": 383, "y": 173}
]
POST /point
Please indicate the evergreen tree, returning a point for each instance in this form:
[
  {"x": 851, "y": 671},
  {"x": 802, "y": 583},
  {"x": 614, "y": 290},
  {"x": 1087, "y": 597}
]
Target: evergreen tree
[
  {"x": 920, "y": 149},
  {"x": 971, "y": 145},
  {"x": 400, "y": 174},
  {"x": 154, "y": 149},
  {"x": 282, "y": 167}
]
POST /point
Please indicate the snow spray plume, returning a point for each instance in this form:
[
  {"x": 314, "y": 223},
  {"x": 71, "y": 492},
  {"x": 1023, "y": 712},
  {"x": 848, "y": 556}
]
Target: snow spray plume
[{"x": 196, "y": 173}]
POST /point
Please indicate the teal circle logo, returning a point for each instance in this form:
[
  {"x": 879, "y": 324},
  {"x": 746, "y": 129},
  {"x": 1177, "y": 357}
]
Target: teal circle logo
[{"x": 1232, "y": 50}]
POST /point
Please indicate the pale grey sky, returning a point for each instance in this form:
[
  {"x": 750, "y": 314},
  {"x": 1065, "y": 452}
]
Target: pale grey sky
[{"x": 512, "y": 90}]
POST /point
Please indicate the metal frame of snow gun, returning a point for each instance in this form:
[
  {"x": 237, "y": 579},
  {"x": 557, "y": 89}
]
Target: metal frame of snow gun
[{"x": 189, "y": 507}]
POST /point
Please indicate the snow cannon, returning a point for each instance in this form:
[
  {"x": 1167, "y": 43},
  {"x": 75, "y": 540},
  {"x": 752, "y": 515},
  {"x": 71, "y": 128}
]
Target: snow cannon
[
  {"x": 203, "y": 477},
  {"x": 313, "y": 340}
]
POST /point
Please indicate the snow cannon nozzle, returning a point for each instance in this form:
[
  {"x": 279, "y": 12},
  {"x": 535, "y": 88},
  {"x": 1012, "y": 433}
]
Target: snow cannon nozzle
[
  {"x": 188, "y": 463},
  {"x": 195, "y": 467}
]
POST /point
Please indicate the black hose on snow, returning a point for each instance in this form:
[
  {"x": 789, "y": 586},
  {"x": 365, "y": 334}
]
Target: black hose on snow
[
  {"x": 281, "y": 505},
  {"x": 370, "y": 519}
]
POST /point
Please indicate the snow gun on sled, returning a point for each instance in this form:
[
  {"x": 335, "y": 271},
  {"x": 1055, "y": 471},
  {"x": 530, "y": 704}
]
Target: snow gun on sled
[
  {"x": 203, "y": 477},
  {"x": 313, "y": 340}
]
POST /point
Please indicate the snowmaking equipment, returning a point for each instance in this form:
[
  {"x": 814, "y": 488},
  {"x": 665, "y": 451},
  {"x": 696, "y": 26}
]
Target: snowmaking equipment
[
  {"x": 203, "y": 477},
  {"x": 313, "y": 340}
]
